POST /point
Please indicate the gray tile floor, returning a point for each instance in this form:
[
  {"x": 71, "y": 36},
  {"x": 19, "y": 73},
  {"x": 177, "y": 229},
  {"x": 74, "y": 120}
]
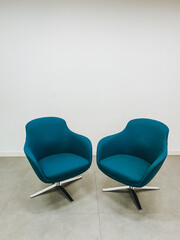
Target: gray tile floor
[{"x": 93, "y": 214}]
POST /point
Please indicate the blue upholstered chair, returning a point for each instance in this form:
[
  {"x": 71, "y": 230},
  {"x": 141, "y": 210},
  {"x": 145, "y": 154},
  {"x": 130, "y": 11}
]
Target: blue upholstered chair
[
  {"x": 134, "y": 156},
  {"x": 56, "y": 154}
]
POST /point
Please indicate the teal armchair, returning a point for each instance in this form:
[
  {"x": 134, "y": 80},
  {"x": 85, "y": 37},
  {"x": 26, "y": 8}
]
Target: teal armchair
[
  {"x": 134, "y": 156},
  {"x": 56, "y": 154}
]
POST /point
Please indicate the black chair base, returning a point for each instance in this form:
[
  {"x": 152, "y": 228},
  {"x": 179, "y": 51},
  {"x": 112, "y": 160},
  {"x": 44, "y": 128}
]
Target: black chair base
[{"x": 66, "y": 194}]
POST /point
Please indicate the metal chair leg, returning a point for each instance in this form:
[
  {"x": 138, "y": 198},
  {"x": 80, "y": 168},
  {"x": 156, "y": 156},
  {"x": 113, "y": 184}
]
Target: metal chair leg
[
  {"x": 147, "y": 188},
  {"x": 115, "y": 189},
  {"x": 132, "y": 192},
  {"x": 43, "y": 191},
  {"x": 60, "y": 185}
]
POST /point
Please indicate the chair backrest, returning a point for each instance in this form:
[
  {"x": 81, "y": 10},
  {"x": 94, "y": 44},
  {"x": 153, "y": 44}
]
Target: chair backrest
[
  {"x": 146, "y": 138},
  {"x": 47, "y": 136}
]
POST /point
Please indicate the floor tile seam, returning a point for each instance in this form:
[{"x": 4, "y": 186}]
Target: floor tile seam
[
  {"x": 141, "y": 213},
  {"x": 20, "y": 180},
  {"x": 94, "y": 213},
  {"x": 98, "y": 205},
  {"x": 51, "y": 213}
]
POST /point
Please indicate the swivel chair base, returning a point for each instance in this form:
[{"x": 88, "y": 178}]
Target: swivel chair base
[
  {"x": 132, "y": 192},
  {"x": 60, "y": 185}
]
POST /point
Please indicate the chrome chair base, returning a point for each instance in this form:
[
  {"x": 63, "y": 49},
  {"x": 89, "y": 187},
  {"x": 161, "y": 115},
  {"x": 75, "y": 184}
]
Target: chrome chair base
[
  {"x": 60, "y": 185},
  {"x": 132, "y": 192}
]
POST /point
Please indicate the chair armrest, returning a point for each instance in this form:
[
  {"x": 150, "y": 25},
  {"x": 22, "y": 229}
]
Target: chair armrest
[
  {"x": 111, "y": 145},
  {"x": 154, "y": 168},
  {"x": 34, "y": 164},
  {"x": 81, "y": 145}
]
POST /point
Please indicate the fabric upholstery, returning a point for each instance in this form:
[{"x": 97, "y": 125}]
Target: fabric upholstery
[
  {"x": 49, "y": 142},
  {"x": 137, "y": 152},
  {"x": 126, "y": 168},
  {"x": 63, "y": 166}
]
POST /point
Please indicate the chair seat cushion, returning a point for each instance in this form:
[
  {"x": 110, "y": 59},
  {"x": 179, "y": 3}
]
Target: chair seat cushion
[
  {"x": 59, "y": 167},
  {"x": 127, "y": 169}
]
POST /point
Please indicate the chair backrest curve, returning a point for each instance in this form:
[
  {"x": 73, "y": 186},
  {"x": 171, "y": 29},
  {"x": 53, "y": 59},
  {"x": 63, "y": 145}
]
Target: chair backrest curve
[
  {"x": 46, "y": 136},
  {"x": 146, "y": 138}
]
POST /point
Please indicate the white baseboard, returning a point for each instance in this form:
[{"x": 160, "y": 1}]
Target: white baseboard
[
  {"x": 21, "y": 154},
  {"x": 12, "y": 154},
  {"x": 173, "y": 152}
]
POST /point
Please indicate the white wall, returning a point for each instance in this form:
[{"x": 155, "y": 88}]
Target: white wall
[{"x": 96, "y": 64}]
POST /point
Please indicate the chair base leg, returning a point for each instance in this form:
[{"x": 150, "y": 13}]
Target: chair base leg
[
  {"x": 132, "y": 192},
  {"x": 43, "y": 191},
  {"x": 115, "y": 189},
  {"x": 135, "y": 199},
  {"x": 147, "y": 188},
  {"x": 66, "y": 194},
  {"x": 60, "y": 185}
]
